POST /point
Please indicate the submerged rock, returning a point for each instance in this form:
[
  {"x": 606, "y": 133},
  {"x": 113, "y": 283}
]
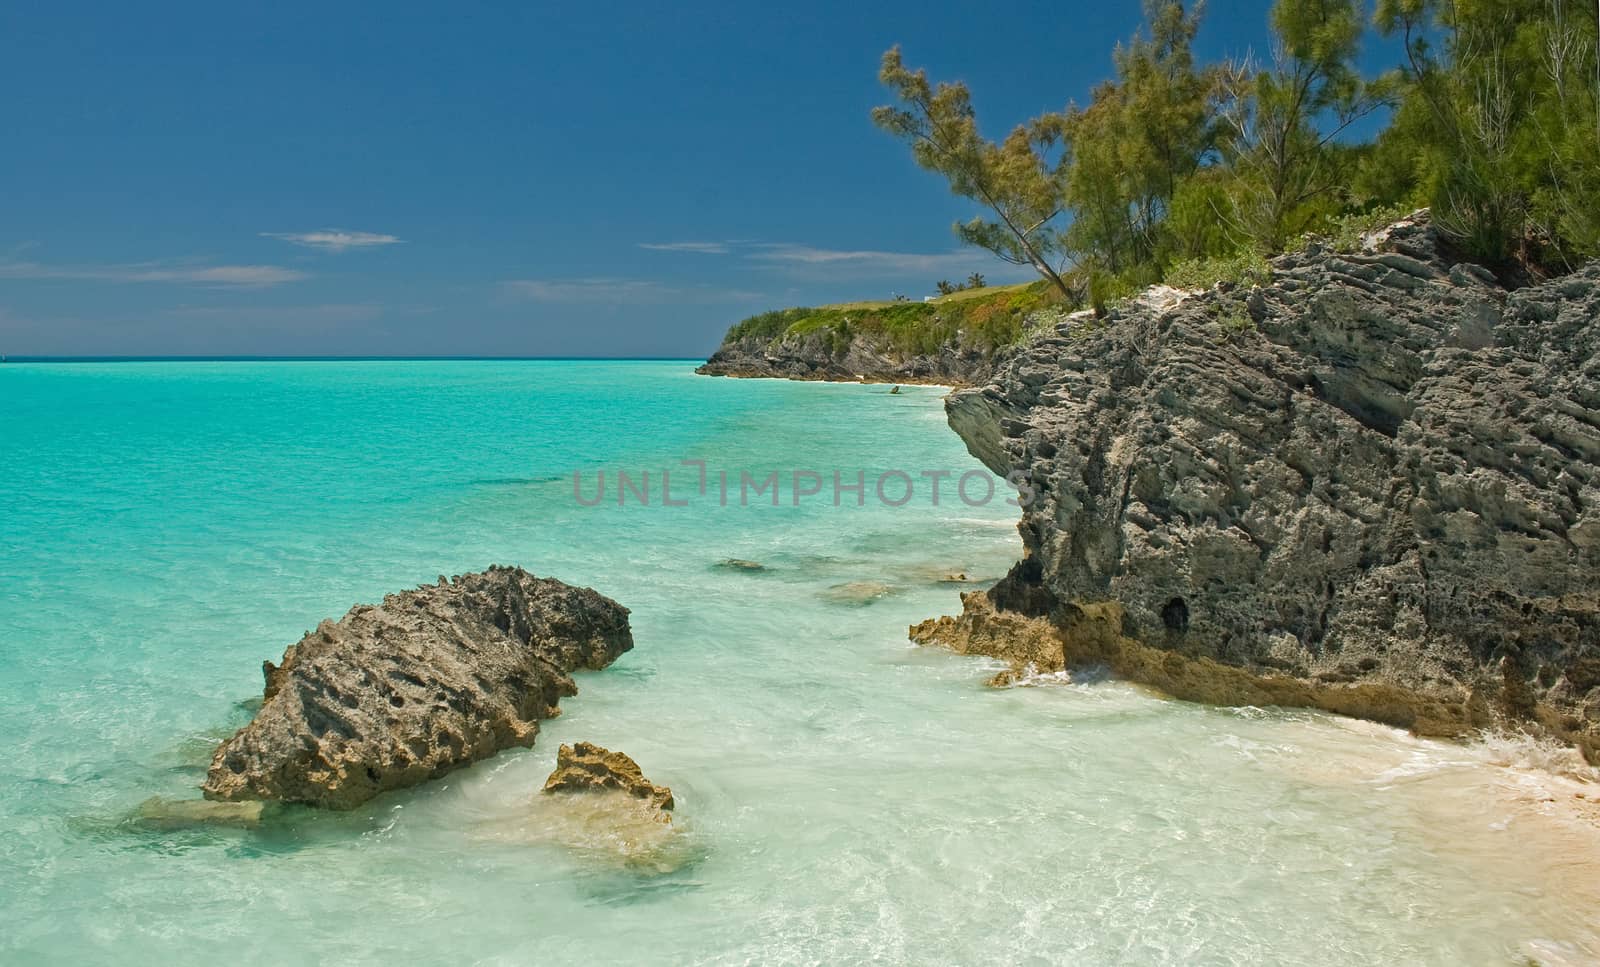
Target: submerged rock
[
  {"x": 859, "y": 593},
  {"x": 1371, "y": 485},
  {"x": 598, "y": 804},
  {"x": 395, "y": 694},
  {"x": 587, "y": 767},
  {"x": 735, "y": 564},
  {"x": 606, "y": 830},
  {"x": 158, "y": 812}
]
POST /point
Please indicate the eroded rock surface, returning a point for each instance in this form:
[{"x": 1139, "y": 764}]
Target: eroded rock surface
[
  {"x": 1379, "y": 471},
  {"x": 398, "y": 693},
  {"x": 587, "y": 767},
  {"x": 598, "y": 805},
  {"x": 816, "y": 356}
]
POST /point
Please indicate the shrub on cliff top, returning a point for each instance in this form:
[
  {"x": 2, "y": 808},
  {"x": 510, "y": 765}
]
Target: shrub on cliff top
[
  {"x": 1241, "y": 268},
  {"x": 985, "y": 319}
]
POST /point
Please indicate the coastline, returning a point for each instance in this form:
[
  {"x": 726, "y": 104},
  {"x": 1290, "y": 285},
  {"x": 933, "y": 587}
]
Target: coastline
[
  {"x": 1539, "y": 801},
  {"x": 1170, "y": 574},
  {"x": 865, "y": 379},
  {"x": 783, "y": 717}
]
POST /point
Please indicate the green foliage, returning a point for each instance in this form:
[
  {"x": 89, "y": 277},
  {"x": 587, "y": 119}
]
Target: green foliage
[
  {"x": 1245, "y": 268},
  {"x": 1233, "y": 318},
  {"x": 767, "y": 325},
  {"x": 1284, "y": 119},
  {"x": 1101, "y": 287},
  {"x": 1141, "y": 136},
  {"x": 1017, "y": 180},
  {"x": 1345, "y": 233},
  {"x": 987, "y": 321},
  {"x": 976, "y": 281},
  {"x": 1195, "y": 174},
  {"x": 1200, "y": 217},
  {"x": 1501, "y": 121}
]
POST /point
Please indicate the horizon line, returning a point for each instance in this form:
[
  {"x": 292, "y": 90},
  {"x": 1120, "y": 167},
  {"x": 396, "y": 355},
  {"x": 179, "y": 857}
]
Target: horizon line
[{"x": 330, "y": 358}]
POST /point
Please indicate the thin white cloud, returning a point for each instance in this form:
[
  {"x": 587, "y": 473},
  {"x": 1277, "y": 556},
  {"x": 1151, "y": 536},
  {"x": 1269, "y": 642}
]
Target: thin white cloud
[
  {"x": 603, "y": 291},
  {"x": 867, "y": 259},
  {"x": 814, "y": 262},
  {"x": 183, "y": 273},
  {"x": 334, "y": 239},
  {"x": 697, "y": 248}
]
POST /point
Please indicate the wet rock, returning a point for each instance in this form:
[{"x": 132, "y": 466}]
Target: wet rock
[
  {"x": 158, "y": 812},
  {"x": 939, "y": 574},
  {"x": 402, "y": 692},
  {"x": 858, "y": 593},
  {"x": 587, "y": 767},
  {"x": 598, "y": 804},
  {"x": 1380, "y": 470}
]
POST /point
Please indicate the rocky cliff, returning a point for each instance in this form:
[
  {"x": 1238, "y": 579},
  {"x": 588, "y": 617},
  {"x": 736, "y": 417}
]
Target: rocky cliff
[
  {"x": 395, "y": 694},
  {"x": 1371, "y": 485},
  {"x": 955, "y": 339},
  {"x": 822, "y": 356}
]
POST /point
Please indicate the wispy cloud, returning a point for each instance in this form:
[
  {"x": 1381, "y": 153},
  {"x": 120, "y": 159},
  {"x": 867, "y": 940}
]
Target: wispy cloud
[
  {"x": 867, "y": 260},
  {"x": 334, "y": 239},
  {"x": 812, "y": 261},
  {"x": 183, "y": 273},
  {"x": 698, "y": 248},
  {"x": 603, "y": 291}
]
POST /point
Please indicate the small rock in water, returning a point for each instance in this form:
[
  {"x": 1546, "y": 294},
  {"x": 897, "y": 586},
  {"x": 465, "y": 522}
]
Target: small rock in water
[
  {"x": 735, "y": 564},
  {"x": 956, "y": 577},
  {"x": 587, "y": 767},
  {"x": 895, "y": 391},
  {"x": 597, "y": 803},
  {"x": 858, "y": 592}
]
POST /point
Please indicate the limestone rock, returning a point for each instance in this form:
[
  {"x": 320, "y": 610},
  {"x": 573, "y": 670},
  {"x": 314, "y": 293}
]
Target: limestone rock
[
  {"x": 395, "y": 694},
  {"x": 1380, "y": 468},
  {"x": 160, "y": 813},
  {"x": 587, "y": 767},
  {"x": 858, "y": 593},
  {"x": 867, "y": 358}
]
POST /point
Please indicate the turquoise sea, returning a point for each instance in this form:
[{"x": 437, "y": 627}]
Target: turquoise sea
[{"x": 166, "y": 526}]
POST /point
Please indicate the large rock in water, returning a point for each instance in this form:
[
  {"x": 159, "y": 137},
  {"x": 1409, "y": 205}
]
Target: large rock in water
[
  {"x": 1371, "y": 485},
  {"x": 395, "y": 694}
]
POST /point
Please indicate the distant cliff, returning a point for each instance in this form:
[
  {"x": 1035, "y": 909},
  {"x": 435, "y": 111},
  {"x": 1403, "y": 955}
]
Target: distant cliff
[
  {"x": 955, "y": 340},
  {"x": 1370, "y": 485}
]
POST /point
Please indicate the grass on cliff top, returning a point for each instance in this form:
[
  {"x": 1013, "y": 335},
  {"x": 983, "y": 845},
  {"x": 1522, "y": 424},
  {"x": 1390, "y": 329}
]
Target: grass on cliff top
[{"x": 987, "y": 319}]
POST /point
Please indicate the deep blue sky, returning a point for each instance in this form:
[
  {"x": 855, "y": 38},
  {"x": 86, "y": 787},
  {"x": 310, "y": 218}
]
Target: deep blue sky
[{"x": 168, "y": 168}]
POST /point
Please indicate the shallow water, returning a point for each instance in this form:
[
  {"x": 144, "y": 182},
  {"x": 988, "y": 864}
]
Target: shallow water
[{"x": 844, "y": 795}]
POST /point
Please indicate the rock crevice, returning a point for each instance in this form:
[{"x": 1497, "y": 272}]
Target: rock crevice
[
  {"x": 816, "y": 356},
  {"x": 1377, "y": 470},
  {"x": 395, "y": 694}
]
